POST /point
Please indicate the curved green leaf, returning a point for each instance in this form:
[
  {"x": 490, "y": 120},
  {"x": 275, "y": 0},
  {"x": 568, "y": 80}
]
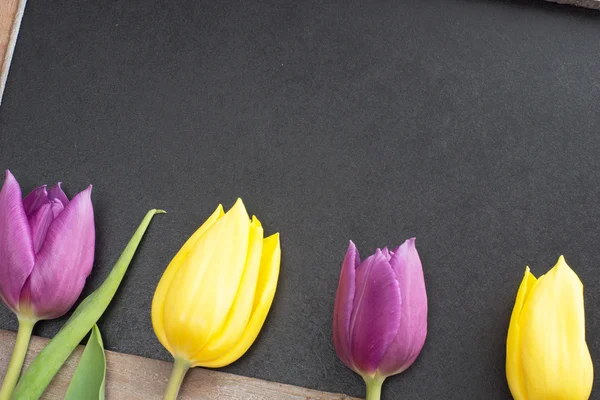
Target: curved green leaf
[
  {"x": 88, "y": 380},
  {"x": 38, "y": 376}
]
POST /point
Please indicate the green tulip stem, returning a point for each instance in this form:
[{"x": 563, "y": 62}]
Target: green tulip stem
[
  {"x": 17, "y": 359},
  {"x": 374, "y": 388},
  {"x": 180, "y": 368}
]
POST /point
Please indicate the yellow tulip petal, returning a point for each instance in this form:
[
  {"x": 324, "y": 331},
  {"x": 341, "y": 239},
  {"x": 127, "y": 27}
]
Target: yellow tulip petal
[
  {"x": 237, "y": 319},
  {"x": 165, "y": 281},
  {"x": 555, "y": 357},
  {"x": 206, "y": 283},
  {"x": 265, "y": 291},
  {"x": 514, "y": 370}
]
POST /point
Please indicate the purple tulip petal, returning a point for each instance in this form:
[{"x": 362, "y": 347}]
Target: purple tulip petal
[
  {"x": 64, "y": 261},
  {"x": 342, "y": 309},
  {"x": 56, "y": 193},
  {"x": 16, "y": 249},
  {"x": 386, "y": 253},
  {"x": 411, "y": 336},
  {"x": 39, "y": 222},
  {"x": 35, "y": 199},
  {"x": 57, "y": 207},
  {"x": 376, "y": 312}
]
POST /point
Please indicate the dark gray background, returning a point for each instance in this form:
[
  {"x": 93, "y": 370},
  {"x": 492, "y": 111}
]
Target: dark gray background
[{"x": 470, "y": 124}]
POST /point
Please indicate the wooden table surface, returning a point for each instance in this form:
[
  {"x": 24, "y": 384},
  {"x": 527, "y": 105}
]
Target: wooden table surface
[{"x": 136, "y": 378}]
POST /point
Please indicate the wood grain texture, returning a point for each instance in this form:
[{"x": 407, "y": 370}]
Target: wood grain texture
[
  {"x": 581, "y": 3},
  {"x": 8, "y": 10},
  {"x": 136, "y": 378},
  {"x": 11, "y": 13}
]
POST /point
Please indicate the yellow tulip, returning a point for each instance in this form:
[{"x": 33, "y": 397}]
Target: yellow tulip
[
  {"x": 547, "y": 357},
  {"x": 214, "y": 296}
]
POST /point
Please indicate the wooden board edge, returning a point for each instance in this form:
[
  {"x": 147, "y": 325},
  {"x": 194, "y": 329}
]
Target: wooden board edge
[
  {"x": 132, "y": 377},
  {"x": 11, "y": 14},
  {"x": 593, "y": 4}
]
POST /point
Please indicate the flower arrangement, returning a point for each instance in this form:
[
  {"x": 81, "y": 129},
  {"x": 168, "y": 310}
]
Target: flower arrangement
[{"x": 215, "y": 294}]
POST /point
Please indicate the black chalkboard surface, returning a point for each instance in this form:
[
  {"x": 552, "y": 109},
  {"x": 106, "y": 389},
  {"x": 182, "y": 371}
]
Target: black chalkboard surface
[{"x": 472, "y": 125}]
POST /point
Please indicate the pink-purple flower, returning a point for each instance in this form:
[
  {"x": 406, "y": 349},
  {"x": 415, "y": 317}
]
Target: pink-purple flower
[
  {"x": 46, "y": 249},
  {"x": 380, "y": 313}
]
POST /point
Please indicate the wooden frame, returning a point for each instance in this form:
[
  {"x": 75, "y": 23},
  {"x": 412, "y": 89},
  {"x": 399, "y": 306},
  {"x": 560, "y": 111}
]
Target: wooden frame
[
  {"x": 131, "y": 377},
  {"x": 581, "y": 3},
  {"x": 11, "y": 13}
]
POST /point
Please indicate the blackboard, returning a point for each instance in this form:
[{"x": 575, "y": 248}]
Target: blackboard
[{"x": 469, "y": 124}]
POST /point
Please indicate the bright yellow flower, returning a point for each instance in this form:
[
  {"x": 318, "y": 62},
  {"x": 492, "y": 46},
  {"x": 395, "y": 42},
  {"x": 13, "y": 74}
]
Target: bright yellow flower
[
  {"x": 547, "y": 357},
  {"x": 214, "y": 296}
]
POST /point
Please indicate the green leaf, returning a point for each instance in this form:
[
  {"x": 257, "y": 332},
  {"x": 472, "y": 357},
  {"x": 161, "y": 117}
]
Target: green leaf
[
  {"x": 88, "y": 380},
  {"x": 38, "y": 376}
]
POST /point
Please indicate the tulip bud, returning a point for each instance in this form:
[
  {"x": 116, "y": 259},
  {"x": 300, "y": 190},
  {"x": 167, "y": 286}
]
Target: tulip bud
[
  {"x": 214, "y": 296},
  {"x": 46, "y": 254},
  {"x": 546, "y": 353},
  {"x": 46, "y": 249},
  {"x": 380, "y": 313}
]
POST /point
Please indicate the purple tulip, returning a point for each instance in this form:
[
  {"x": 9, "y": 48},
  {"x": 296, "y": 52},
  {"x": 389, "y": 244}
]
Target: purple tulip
[
  {"x": 46, "y": 249},
  {"x": 380, "y": 313},
  {"x": 46, "y": 254}
]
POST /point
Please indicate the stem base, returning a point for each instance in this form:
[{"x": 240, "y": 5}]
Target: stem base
[
  {"x": 374, "y": 385},
  {"x": 180, "y": 368},
  {"x": 18, "y": 357}
]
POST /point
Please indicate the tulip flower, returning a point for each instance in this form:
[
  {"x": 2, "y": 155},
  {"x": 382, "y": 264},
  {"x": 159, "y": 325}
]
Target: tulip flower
[
  {"x": 46, "y": 254},
  {"x": 380, "y": 313},
  {"x": 546, "y": 353},
  {"x": 214, "y": 296}
]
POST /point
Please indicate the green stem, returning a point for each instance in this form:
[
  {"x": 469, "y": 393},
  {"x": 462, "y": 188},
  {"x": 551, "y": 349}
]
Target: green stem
[
  {"x": 180, "y": 368},
  {"x": 374, "y": 387},
  {"x": 17, "y": 359}
]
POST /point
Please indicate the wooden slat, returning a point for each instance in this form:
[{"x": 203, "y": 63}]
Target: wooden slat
[
  {"x": 581, "y": 3},
  {"x": 11, "y": 12},
  {"x": 136, "y": 378}
]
